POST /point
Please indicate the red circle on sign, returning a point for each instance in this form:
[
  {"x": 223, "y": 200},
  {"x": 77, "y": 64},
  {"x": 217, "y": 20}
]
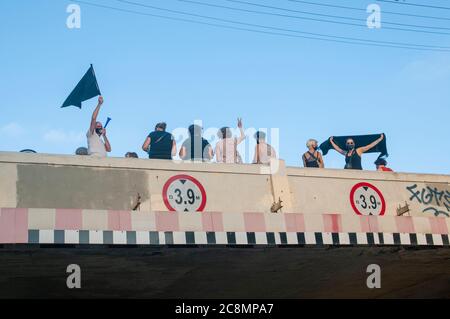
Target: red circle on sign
[
  {"x": 364, "y": 184},
  {"x": 193, "y": 180}
]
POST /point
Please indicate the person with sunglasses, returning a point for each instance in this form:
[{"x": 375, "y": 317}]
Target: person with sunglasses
[{"x": 353, "y": 154}]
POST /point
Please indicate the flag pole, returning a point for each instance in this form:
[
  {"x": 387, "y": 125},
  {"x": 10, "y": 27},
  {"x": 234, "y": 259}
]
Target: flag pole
[{"x": 93, "y": 71}]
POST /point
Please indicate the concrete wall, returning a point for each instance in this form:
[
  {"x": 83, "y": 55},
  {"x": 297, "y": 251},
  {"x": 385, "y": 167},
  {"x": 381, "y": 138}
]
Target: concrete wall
[
  {"x": 54, "y": 181},
  {"x": 328, "y": 191},
  {"x": 48, "y": 181}
]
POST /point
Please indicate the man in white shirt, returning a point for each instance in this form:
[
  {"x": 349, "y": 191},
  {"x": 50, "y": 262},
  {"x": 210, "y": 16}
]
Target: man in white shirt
[{"x": 96, "y": 145}]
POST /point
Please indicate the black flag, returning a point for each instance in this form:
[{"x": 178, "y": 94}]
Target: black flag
[{"x": 87, "y": 88}]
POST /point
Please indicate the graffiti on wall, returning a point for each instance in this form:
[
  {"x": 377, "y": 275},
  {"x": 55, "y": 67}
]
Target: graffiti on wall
[{"x": 436, "y": 201}]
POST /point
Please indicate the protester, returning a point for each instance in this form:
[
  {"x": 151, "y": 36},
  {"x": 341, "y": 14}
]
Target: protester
[
  {"x": 131, "y": 155},
  {"x": 226, "y": 148},
  {"x": 196, "y": 148},
  {"x": 159, "y": 144},
  {"x": 381, "y": 165},
  {"x": 27, "y": 150},
  {"x": 312, "y": 157},
  {"x": 353, "y": 154},
  {"x": 263, "y": 151},
  {"x": 98, "y": 143},
  {"x": 81, "y": 151}
]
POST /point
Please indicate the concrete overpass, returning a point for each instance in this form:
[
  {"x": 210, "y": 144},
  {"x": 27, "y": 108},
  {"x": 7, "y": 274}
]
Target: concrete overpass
[{"x": 209, "y": 230}]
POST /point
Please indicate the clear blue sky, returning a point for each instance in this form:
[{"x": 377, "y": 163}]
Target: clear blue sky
[{"x": 151, "y": 69}]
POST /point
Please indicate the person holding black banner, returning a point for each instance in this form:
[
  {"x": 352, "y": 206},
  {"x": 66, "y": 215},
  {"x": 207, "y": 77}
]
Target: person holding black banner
[
  {"x": 98, "y": 143},
  {"x": 353, "y": 154}
]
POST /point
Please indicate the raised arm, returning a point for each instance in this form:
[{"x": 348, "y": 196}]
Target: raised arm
[
  {"x": 241, "y": 129},
  {"x": 95, "y": 114},
  {"x": 336, "y": 147},
  {"x": 364, "y": 149}
]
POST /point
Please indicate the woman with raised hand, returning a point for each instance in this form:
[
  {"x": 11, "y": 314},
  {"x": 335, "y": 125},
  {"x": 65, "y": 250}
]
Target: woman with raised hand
[
  {"x": 226, "y": 148},
  {"x": 353, "y": 154}
]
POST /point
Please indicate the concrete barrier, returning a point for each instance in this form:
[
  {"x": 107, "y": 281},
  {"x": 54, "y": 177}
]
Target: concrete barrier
[
  {"x": 82, "y": 182},
  {"x": 72, "y": 199}
]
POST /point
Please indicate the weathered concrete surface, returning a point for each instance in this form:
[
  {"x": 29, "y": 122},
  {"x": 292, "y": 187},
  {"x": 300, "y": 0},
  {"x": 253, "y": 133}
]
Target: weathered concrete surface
[
  {"x": 199, "y": 272},
  {"x": 68, "y": 187},
  {"x": 84, "y": 182}
]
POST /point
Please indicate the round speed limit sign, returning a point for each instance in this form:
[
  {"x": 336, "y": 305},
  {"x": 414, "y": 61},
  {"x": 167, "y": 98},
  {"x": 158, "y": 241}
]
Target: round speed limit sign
[
  {"x": 183, "y": 193},
  {"x": 367, "y": 200}
]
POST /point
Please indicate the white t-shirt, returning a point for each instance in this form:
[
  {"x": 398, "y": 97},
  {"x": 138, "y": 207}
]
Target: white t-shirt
[{"x": 96, "y": 146}]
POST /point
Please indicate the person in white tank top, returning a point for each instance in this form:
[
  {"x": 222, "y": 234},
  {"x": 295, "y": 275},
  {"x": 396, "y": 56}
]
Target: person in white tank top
[{"x": 98, "y": 143}]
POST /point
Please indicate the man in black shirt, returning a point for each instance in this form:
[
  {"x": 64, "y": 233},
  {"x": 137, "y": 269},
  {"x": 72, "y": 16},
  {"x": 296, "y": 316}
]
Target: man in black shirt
[
  {"x": 159, "y": 144},
  {"x": 196, "y": 148}
]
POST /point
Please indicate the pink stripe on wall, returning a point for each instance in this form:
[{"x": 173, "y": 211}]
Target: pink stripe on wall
[
  {"x": 254, "y": 222},
  {"x": 212, "y": 221},
  {"x": 365, "y": 226},
  {"x": 167, "y": 221},
  {"x": 13, "y": 225},
  {"x": 373, "y": 223},
  {"x": 294, "y": 222},
  {"x": 7, "y": 225},
  {"x": 404, "y": 224},
  {"x": 68, "y": 219},
  {"x": 438, "y": 225},
  {"x": 21, "y": 227},
  {"x": 369, "y": 224},
  {"x": 332, "y": 223},
  {"x": 119, "y": 220}
]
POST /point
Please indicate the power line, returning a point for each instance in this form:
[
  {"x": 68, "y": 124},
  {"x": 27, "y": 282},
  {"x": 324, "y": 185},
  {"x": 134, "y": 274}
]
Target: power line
[
  {"x": 424, "y": 48},
  {"x": 415, "y": 4},
  {"x": 303, "y": 18},
  {"x": 326, "y": 15},
  {"x": 274, "y": 28},
  {"x": 364, "y": 10}
]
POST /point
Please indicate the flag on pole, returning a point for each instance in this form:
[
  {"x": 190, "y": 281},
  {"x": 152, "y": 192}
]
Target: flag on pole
[{"x": 87, "y": 88}]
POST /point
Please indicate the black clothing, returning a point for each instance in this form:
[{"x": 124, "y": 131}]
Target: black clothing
[
  {"x": 196, "y": 148},
  {"x": 312, "y": 160},
  {"x": 160, "y": 145},
  {"x": 353, "y": 161}
]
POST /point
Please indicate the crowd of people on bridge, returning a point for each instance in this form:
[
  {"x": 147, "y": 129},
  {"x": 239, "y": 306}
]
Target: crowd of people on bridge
[{"x": 160, "y": 144}]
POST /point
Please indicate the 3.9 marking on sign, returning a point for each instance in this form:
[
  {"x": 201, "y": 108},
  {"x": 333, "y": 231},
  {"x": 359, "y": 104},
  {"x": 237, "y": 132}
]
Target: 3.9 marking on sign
[
  {"x": 183, "y": 193},
  {"x": 367, "y": 200}
]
